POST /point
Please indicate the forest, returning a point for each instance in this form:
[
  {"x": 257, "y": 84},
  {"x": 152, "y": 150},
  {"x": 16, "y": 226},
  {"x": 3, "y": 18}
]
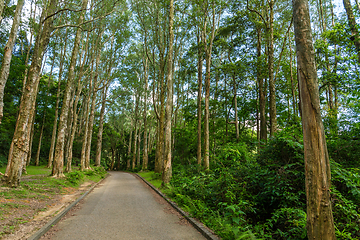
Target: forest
[{"x": 248, "y": 111}]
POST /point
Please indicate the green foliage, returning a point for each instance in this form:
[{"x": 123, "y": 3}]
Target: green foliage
[
  {"x": 263, "y": 193},
  {"x": 285, "y": 223},
  {"x": 75, "y": 178}
]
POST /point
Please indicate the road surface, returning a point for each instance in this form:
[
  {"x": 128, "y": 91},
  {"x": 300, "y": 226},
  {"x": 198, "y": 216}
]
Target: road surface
[{"x": 124, "y": 207}]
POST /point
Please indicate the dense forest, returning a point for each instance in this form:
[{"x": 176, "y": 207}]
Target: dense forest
[{"x": 248, "y": 111}]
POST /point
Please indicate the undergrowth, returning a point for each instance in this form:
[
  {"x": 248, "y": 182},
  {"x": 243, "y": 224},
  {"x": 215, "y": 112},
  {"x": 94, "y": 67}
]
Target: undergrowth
[{"x": 262, "y": 196}]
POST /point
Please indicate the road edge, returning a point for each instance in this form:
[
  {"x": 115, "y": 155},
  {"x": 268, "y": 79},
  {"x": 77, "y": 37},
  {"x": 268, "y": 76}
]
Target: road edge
[
  {"x": 199, "y": 226},
  {"x": 57, "y": 218}
]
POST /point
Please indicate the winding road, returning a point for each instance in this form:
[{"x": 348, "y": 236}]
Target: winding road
[{"x": 124, "y": 207}]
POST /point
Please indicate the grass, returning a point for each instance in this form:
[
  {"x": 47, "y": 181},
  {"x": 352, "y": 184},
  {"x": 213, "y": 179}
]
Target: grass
[{"x": 153, "y": 178}]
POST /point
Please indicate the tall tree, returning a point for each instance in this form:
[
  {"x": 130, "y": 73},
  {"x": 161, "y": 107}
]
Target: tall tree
[
  {"x": 58, "y": 163},
  {"x": 5, "y": 66},
  {"x": 320, "y": 223},
  {"x": 166, "y": 176},
  {"x": 355, "y": 38},
  {"x": 17, "y": 155}
]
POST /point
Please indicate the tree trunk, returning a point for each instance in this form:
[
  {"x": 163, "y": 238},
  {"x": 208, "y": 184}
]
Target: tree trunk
[
  {"x": 138, "y": 150},
  {"x": 355, "y": 38},
  {"x": 5, "y": 66},
  {"x": 32, "y": 133},
  {"x": 90, "y": 129},
  {"x": 57, "y": 170},
  {"x": 129, "y": 152},
  {"x": 93, "y": 103},
  {"x": 320, "y": 223},
  {"x": 167, "y": 170},
  {"x": 75, "y": 110},
  {"x": 292, "y": 81},
  {"x": 236, "y": 110},
  {"x": 26, "y": 110},
  {"x": 101, "y": 129},
  {"x": 135, "y": 148},
  {"x": 272, "y": 97},
  {"x": 86, "y": 125},
  {"x": 37, "y": 159},
  {"x": 2, "y": 6},
  {"x": 262, "y": 98},
  {"x": 199, "y": 99},
  {"x": 145, "y": 153},
  {"x": 112, "y": 158},
  {"x": 53, "y": 136}
]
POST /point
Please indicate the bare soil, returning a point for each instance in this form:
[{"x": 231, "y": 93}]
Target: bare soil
[{"x": 21, "y": 218}]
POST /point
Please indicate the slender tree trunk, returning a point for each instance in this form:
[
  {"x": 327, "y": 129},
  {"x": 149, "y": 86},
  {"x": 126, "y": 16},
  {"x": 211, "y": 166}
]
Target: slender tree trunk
[
  {"x": 145, "y": 154},
  {"x": 135, "y": 148},
  {"x": 138, "y": 150},
  {"x": 37, "y": 159},
  {"x": 32, "y": 133},
  {"x": 272, "y": 97},
  {"x": 58, "y": 164},
  {"x": 236, "y": 110},
  {"x": 129, "y": 152},
  {"x": 90, "y": 130},
  {"x": 20, "y": 142},
  {"x": 320, "y": 223},
  {"x": 262, "y": 98},
  {"x": 167, "y": 170},
  {"x": 53, "y": 136},
  {"x": 5, "y": 66},
  {"x": 137, "y": 130},
  {"x": 101, "y": 128},
  {"x": 199, "y": 99},
  {"x": 292, "y": 81},
  {"x": 93, "y": 103},
  {"x": 112, "y": 158},
  {"x": 2, "y": 6},
  {"x": 86, "y": 124},
  {"x": 352, "y": 24}
]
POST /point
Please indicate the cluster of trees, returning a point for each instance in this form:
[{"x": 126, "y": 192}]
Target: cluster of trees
[{"x": 156, "y": 83}]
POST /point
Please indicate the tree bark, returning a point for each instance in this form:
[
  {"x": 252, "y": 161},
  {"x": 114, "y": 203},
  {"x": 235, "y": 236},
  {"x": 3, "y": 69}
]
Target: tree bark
[
  {"x": 199, "y": 99},
  {"x": 167, "y": 170},
  {"x": 37, "y": 159},
  {"x": 101, "y": 128},
  {"x": 138, "y": 150},
  {"x": 320, "y": 223},
  {"x": 20, "y": 141},
  {"x": 272, "y": 97},
  {"x": 129, "y": 152},
  {"x": 145, "y": 153},
  {"x": 137, "y": 100},
  {"x": 2, "y": 6},
  {"x": 5, "y": 66},
  {"x": 53, "y": 136},
  {"x": 355, "y": 38},
  {"x": 236, "y": 110},
  {"x": 31, "y": 134},
  {"x": 57, "y": 170},
  {"x": 262, "y": 98}
]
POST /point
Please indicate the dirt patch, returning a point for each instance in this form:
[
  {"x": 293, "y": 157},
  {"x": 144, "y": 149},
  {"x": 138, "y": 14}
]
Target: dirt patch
[{"x": 21, "y": 218}]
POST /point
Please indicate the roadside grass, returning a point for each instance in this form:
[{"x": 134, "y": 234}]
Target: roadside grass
[
  {"x": 152, "y": 177},
  {"x": 37, "y": 191}
]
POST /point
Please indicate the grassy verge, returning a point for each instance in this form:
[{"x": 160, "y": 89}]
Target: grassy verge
[
  {"x": 153, "y": 178},
  {"x": 37, "y": 192}
]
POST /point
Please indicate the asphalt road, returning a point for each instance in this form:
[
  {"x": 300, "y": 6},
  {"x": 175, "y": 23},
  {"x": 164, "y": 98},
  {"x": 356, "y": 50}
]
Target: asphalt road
[{"x": 124, "y": 207}]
